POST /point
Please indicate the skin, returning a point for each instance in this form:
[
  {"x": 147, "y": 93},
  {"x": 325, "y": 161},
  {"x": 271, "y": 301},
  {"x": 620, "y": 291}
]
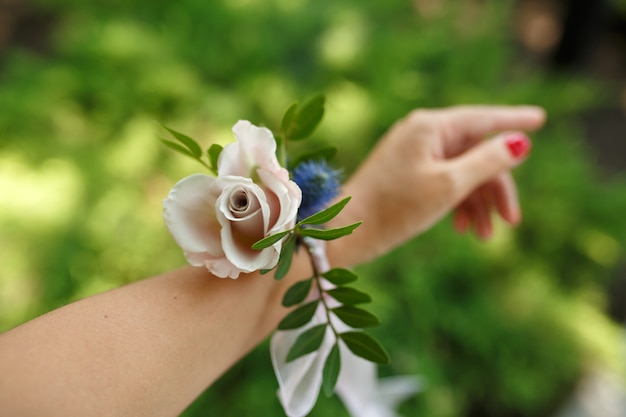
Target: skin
[
  {"x": 150, "y": 348},
  {"x": 434, "y": 162}
]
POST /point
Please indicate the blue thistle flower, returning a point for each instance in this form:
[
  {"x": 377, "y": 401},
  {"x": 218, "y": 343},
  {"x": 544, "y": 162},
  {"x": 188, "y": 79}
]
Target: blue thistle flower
[{"x": 319, "y": 184}]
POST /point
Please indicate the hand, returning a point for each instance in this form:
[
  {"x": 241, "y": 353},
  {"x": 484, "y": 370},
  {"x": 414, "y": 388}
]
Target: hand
[{"x": 431, "y": 162}]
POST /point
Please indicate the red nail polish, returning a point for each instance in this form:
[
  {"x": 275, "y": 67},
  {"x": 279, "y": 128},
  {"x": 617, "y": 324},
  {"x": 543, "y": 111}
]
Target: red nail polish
[{"x": 518, "y": 144}]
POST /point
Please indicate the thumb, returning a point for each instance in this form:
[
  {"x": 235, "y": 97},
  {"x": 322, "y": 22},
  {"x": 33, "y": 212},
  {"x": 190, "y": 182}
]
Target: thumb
[{"x": 491, "y": 158}]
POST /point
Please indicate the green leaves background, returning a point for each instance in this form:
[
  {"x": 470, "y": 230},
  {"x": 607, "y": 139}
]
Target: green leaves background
[{"x": 489, "y": 323}]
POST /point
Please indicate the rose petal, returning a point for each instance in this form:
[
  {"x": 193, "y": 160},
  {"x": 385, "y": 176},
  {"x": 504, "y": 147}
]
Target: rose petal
[
  {"x": 222, "y": 267},
  {"x": 289, "y": 197},
  {"x": 257, "y": 209},
  {"x": 238, "y": 234},
  {"x": 255, "y": 147},
  {"x": 242, "y": 204},
  {"x": 189, "y": 214}
]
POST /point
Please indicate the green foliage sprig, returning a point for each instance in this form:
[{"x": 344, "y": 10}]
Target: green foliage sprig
[
  {"x": 297, "y": 124},
  {"x": 360, "y": 343},
  {"x": 189, "y": 147}
]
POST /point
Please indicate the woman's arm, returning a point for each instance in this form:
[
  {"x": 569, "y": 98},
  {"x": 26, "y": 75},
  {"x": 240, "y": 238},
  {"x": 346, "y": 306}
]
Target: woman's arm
[
  {"x": 146, "y": 349},
  {"x": 150, "y": 348}
]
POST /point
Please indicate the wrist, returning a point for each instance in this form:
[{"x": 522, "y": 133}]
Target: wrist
[{"x": 360, "y": 246}]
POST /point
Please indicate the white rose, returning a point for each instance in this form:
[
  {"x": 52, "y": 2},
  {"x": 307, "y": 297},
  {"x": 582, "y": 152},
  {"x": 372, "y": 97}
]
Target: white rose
[{"x": 216, "y": 220}]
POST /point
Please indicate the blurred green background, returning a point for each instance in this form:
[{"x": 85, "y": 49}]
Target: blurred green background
[{"x": 504, "y": 328}]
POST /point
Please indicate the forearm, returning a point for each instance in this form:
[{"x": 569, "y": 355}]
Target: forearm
[
  {"x": 149, "y": 348},
  {"x": 145, "y": 349}
]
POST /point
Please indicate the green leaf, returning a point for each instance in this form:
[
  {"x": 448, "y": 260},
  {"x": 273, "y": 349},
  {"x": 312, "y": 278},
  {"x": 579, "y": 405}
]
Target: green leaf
[
  {"x": 356, "y": 317},
  {"x": 365, "y": 346},
  {"x": 191, "y": 144},
  {"x": 178, "y": 148},
  {"x": 327, "y": 214},
  {"x": 328, "y": 234},
  {"x": 340, "y": 276},
  {"x": 213, "y": 153},
  {"x": 307, "y": 118},
  {"x": 297, "y": 292},
  {"x": 299, "y": 317},
  {"x": 285, "y": 124},
  {"x": 325, "y": 154},
  {"x": 347, "y": 295},
  {"x": 330, "y": 374},
  {"x": 266, "y": 242},
  {"x": 307, "y": 342},
  {"x": 286, "y": 255}
]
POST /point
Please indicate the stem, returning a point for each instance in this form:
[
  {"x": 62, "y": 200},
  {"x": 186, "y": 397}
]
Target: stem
[
  {"x": 205, "y": 164},
  {"x": 319, "y": 263}
]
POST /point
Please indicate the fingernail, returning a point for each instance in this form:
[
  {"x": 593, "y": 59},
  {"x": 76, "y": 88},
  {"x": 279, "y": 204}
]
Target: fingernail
[{"x": 518, "y": 144}]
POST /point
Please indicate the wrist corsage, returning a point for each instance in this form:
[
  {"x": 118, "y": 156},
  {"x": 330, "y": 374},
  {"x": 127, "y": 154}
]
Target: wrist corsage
[{"x": 259, "y": 205}]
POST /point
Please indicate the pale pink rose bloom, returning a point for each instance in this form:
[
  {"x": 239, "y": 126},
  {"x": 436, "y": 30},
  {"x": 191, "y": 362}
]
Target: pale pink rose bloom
[
  {"x": 254, "y": 155},
  {"x": 216, "y": 220}
]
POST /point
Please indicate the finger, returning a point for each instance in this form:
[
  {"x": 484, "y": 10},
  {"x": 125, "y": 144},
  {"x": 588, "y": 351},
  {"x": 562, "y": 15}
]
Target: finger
[
  {"x": 484, "y": 226},
  {"x": 500, "y": 194},
  {"x": 475, "y": 122},
  {"x": 478, "y": 208},
  {"x": 461, "y": 219},
  {"x": 488, "y": 160},
  {"x": 506, "y": 198}
]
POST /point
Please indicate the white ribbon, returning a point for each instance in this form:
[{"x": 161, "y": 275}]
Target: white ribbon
[{"x": 358, "y": 386}]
